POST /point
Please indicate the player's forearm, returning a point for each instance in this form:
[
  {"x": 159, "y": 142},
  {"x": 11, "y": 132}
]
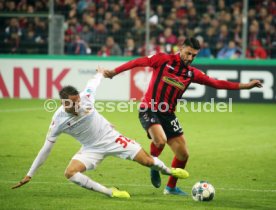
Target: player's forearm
[
  {"x": 41, "y": 157},
  {"x": 95, "y": 81},
  {"x": 139, "y": 62},
  {"x": 222, "y": 84},
  {"x": 243, "y": 86}
]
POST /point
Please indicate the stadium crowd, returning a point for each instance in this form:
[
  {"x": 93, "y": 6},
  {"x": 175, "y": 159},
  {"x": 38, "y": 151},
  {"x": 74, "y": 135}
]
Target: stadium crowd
[{"x": 117, "y": 27}]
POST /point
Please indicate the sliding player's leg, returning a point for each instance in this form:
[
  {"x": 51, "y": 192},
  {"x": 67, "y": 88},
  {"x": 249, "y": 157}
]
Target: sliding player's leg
[
  {"x": 126, "y": 148},
  {"x": 179, "y": 147},
  {"x": 83, "y": 162},
  {"x": 151, "y": 123},
  {"x": 156, "y": 164}
]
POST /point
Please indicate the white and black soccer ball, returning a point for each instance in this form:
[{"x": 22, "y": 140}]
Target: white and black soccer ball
[{"x": 203, "y": 191}]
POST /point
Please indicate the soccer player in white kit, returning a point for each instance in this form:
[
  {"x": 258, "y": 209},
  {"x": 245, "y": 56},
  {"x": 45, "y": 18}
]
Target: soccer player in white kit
[{"x": 78, "y": 117}]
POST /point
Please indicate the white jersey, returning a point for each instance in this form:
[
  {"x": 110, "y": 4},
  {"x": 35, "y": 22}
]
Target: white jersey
[{"x": 88, "y": 127}]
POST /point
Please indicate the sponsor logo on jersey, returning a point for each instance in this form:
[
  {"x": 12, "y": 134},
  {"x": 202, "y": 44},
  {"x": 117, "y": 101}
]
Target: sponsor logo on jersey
[
  {"x": 77, "y": 123},
  {"x": 88, "y": 90},
  {"x": 174, "y": 83}
]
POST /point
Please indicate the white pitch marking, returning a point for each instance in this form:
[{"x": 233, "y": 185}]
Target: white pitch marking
[
  {"x": 142, "y": 185},
  {"x": 22, "y": 109}
]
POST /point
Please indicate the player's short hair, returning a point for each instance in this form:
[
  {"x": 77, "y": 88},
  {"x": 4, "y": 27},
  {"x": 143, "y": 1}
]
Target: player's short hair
[
  {"x": 67, "y": 91},
  {"x": 192, "y": 42}
]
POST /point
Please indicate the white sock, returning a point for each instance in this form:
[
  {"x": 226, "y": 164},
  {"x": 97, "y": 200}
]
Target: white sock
[
  {"x": 84, "y": 181},
  {"x": 160, "y": 166}
]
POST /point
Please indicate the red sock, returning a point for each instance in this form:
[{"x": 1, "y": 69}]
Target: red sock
[
  {"x": 154, "y": 151},
  {"x": 175, "y": 164}
]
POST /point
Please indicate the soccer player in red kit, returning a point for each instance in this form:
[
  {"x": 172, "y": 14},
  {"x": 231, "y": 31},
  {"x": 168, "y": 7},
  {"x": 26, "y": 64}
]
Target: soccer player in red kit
[{"x": 172, "y": 74}]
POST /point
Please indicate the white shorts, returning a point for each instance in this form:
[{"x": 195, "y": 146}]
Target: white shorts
[{"x": 121, "y": 147}]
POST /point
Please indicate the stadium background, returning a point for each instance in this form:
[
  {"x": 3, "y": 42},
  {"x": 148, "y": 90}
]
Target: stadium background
[{"x": 44, "y": 46}]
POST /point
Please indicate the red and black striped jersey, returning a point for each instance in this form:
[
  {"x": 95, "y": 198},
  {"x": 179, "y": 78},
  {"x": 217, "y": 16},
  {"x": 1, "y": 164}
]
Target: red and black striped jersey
[{"x": 170, "y": 79}]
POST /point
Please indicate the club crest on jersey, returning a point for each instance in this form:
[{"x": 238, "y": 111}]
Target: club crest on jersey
[
  {"x": 169, "y": 66},
  {"x": 88, "y": 110},
  {"x": 174, "y": 83},
  {"x": 190, "y": 74}
]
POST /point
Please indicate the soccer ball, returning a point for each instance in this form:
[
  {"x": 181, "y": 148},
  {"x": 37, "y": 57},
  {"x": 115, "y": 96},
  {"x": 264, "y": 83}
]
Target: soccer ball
[{"x": 203, "y": 191}]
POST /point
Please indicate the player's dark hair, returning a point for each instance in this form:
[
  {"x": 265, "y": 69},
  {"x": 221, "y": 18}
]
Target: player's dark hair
[
  {"x": 67, "y": 91},
  {"x": 192, "y": 42}
]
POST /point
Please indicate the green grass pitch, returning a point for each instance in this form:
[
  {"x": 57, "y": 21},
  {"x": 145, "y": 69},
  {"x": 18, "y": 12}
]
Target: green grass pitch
[{"x": 235, "y": 151}]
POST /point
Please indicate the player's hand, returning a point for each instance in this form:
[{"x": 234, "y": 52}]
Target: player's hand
[
  {"x": 109, "y": 74},
  {"x": 100, "y": 70},
  {"x": 254, "y": 83},
  {"x": 251, "y": 84},
  {"x": 22, "y": 182},
  {"x": 106, "y": 73}
]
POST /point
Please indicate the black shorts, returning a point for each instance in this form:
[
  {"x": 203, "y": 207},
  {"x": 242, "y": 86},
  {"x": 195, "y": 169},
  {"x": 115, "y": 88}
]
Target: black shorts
[{"x": 168, "y": 121}]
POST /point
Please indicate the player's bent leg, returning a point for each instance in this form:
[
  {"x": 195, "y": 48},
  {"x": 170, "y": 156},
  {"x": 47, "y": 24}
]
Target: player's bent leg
[
  {"x": 144, "y": 158},
  {"x": 73, "y": 174},
  {"x": 156, "y": 164},
  {"x": 74, "y": 167},
  {"x": 159, "y": 139},
  {"x": 179, "y": 147}
]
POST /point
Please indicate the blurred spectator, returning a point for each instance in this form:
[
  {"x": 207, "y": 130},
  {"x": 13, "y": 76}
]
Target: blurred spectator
[
  {"x": 160, "y": 14},
  {"x": 230, "y": 51},
  {"x": 273, "y": 50},
  {"x": 223, "y": 37},
  {"x": 138, "y": 32},
  {"x": 211, "y": 39},
  {"x": 30, "y": 39},
  {"x": 10, "y": 6},
  {"x": 78, "y": 47},
  {"x": 108, "y": 20},
  {"x": 130, "y": 48},
  {"x": 216, "y": 21},
  {"x": 13, "y": 35},
  {"x": 253, "y": 33},
  {"x": 104, "y": 52},
  {"x": 256, "y": 51},
  {"x": 87, "y": 34},
  {"x": 168, "y": 40},
  {"x": 205, "y": 22},
  {"x": 205, "y": 51},
  {"x": 100, "y": 34},
  {"x": 237, "y": 35},
  {"x": 153, "y": 48},
  {"x": 117, "y": 33},
  {"x": 167, "y": 37},
  {"x": 266, "y": 36},
  {"x": 110, "y": 48}
]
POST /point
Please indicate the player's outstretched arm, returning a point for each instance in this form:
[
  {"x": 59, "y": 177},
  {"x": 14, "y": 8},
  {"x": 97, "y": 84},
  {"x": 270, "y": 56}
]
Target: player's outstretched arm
[
  {"x": 109, "y": 73},
  {"x": 25, "y": 180},
  {"x": 201, "y": 78},
  {"x": 139, "y": 62},
  {"x": 251, "y": 84},
  {"x": 106, "y": 73},
  {"x": 39, "y": 160}
]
